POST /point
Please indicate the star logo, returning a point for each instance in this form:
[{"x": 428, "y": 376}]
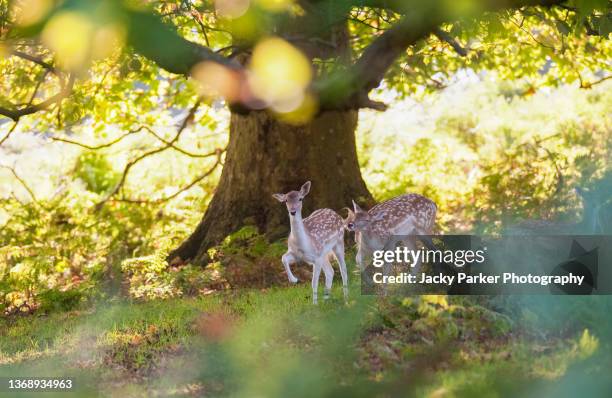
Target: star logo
[{"x": 581, "y": 263}]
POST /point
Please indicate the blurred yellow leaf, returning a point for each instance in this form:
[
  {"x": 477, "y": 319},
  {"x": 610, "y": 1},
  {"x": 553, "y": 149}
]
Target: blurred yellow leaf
[
  {"x": 280, "y": 74},
  {"x": 232, "y": 8},
  {"x": 106, "y": 40},
  {"x": 61, "y": 265},
  {"x": 300, "y": 114},
  {"x": 30, "y": 12},
  {"x": 246, "y": 26},
  {"x": 69, "y": 34},
  {"x": 215, "y": 80},
  {"x": 76, "y": 40}
]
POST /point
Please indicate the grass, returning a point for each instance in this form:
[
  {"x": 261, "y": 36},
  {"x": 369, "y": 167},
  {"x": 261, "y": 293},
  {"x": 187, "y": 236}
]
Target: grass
[
  {"x": 134, "y": 338},
  {"x": 23, "y": 335},
  {"x": 275, "y": 342}
]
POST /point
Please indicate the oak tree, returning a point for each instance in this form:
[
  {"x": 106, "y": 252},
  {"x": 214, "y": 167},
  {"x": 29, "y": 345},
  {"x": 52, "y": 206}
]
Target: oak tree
[{"x": 294, "y": 75}]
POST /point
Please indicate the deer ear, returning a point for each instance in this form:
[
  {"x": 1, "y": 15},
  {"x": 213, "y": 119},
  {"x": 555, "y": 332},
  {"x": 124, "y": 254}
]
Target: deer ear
[
  {"x": 305, "y": 189},
  {"x": 356, "y": 207},
  {"x": 350, "y": 214},
  {"x": 281, "y": 197}
]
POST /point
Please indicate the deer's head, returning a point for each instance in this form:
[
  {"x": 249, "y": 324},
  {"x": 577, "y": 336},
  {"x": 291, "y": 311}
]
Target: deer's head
[
  {"x": 293, "y": 199},
  {"x": 359, "y": 219}
]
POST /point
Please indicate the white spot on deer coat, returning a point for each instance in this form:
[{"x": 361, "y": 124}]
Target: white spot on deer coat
[
  {"x": 402, "y": 214},
  {"x": 323, "y": 226}
]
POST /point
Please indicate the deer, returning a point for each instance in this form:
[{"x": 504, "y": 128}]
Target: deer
[
  {"x": 375, "y": 229},
  {"x": 314, "y": 240}
]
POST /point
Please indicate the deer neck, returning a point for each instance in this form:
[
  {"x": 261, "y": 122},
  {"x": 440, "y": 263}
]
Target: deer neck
[{"x": 298, "y": 230}]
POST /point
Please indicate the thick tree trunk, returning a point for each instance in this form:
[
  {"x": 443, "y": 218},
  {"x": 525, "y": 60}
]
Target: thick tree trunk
[{"x": 266, "y": 156}]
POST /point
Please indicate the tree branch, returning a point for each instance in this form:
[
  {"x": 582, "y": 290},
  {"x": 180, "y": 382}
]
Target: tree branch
[
  {"x": 173, "y": 146},
  {"x": 444, "y": 36},
  {"x": 21, "y": 181},
  {"x": 348, "y": 88},
  {"x": 16, "y": 114},
  {"x": 8, "y": 134},
  {"x": 188, "y": 119},
  {"x": 147, "y": 129},
  {"x": 217, "y": 163},
  {"x": 95, "y": 147},
  {"x": 38, "y": 61},
  {"x": 160, "y": 43},
  {"x": 587, "y": 85}
]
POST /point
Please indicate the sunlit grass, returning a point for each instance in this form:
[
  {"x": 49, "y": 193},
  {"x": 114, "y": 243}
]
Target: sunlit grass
[{"x": 120, "y": 348}]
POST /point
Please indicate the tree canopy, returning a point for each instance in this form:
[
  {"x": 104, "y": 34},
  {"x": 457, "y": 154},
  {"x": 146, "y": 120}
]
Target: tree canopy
[{"x": 73, "y": 60}]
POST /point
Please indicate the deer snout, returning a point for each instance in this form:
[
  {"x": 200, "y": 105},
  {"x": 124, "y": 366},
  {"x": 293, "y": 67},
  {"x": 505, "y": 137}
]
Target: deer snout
[
  {"x": 360, "y": 225},
  {"x": 294, "y": 207}
]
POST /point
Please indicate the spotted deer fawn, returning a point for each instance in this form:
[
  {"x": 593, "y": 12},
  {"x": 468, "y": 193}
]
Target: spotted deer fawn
[
  {"x": 409, "y": 214},
  {"x": 313, "y": 240}
]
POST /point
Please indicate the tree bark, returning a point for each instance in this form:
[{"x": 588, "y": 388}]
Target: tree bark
[{"x": 266, "y": 156}]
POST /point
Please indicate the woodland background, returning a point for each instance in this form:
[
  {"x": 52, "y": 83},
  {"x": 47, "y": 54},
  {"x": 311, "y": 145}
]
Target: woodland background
[{"x": 522, "y": 146}]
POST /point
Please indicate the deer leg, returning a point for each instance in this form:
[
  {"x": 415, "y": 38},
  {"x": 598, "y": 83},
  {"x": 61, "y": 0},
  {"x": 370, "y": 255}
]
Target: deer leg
[
  {"x": 411, "y": 244},
  {"x": 329, "y": 277},
  {"x": 391, "y": 245},
  {"x": 339, "y": 253},
  {"x": 316, "y": 273},
  {"x": 287, "y": 259},
  {"x": 387, "y": 266},
  {"x": 359, "y": 257}
]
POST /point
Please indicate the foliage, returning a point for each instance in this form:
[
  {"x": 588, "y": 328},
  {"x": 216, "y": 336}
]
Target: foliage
[
  {"x": 248, "y": 259},
  {"x": 244, "y": 259},
  {"x": 60, "y": 300},
  {"x": 95, "y": 170},
  {"x": 150, "y": 277},
  {"x": 147, "y": 276},
  {"x": 118, "y": 86},
  {"x": 61, "y": 246},
  {"x": 491, "y": 169},
  {"x": 54, "y": 236},
  {"x": 544, "y": 177}
]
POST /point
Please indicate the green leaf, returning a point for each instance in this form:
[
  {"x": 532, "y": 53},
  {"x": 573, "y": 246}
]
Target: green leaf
[
  {"x": 605, "y": 25},
  {"x": 563, "y": 27}
]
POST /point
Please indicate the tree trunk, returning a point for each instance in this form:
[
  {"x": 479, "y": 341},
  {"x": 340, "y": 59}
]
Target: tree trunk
[{"x": 265, "y": 156}]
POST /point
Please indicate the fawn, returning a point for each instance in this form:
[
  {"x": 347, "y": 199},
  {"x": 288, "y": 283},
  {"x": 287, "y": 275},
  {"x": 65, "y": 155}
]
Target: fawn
[
  {"x": 313, "y": 240},
  {"x": 409, "y": 214}
]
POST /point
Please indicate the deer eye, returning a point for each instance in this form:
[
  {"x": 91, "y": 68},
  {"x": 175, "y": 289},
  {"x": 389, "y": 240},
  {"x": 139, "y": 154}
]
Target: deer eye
[{"x": 301, "y": 199}]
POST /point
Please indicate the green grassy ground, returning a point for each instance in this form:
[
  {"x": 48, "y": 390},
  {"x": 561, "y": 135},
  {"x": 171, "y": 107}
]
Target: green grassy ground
[{"x": 276, "y": 343}]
